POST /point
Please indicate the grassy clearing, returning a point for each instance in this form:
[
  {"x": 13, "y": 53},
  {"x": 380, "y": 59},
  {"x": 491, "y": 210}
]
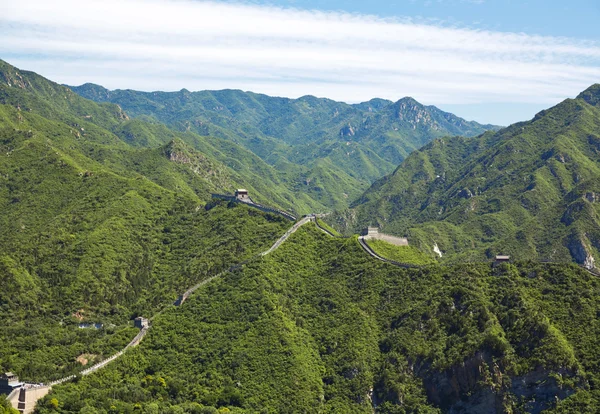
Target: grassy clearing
[{"x": 402, "y": 254}]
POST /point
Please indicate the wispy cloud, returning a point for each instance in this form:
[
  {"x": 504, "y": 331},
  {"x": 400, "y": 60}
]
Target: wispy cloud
[{"x": 172, "y": 44}]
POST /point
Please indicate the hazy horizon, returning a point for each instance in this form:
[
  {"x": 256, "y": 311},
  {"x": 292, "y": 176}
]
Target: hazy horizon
[{"x": 483, "y": 60}]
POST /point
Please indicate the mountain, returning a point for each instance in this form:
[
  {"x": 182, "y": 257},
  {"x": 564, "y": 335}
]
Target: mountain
[
  {"x": 531, "y": 190},
  {"x": 321, "y": 327},
  {"x": 95, "y": 229},
  {"x": 329, "y": 150},
  {"x": 29, "y": 93},
  {"x": 106, "y": 217}
]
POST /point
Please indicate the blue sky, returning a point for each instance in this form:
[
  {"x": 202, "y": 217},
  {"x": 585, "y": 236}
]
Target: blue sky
[
  {"x": 489, "y": 60},
  {"x": 572, "y": 18}
]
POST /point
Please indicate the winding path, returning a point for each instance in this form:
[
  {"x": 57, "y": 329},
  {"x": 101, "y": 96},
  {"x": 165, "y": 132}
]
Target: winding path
[
  {"x": 288, "y": 234},
  {"x": 27, "y": 396}
]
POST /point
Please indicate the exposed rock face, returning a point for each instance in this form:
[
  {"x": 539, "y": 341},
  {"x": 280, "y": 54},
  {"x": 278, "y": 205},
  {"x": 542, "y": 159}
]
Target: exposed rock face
[
  {"x": 121, "y": 114},
  {"x": 479, "y": 386},
  {"x": 15, "y": 79},
  {"x": 178, "y": 152},
  {"x": 592, "y": 197},
  {"x": 411, "y": 112},
  {"x": 347, "y": 131},
  {"x": 591, "y": 95},
  {"x": 449, "y": 389},
  {"x": 581, "y": 253},
  {"x": 178, "y": 156},
  {"x": 437, "y": 250}
]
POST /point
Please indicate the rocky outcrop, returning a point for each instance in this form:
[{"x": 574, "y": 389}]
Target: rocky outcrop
[
  {"x": 591, "y": 95},
  {"x": 347, "y": 131},
  {"x": 177, "y": 155},
  {"x": 15, "y": 79},
  {"x": 592, "y": 197},
  {"x": 581, "y": 252},
  {"x": 479, "y": 385},
  {"x": 412, "y": 113},
  {"x": 459, "y": 388},
  {"x": 121, "y": 114}
]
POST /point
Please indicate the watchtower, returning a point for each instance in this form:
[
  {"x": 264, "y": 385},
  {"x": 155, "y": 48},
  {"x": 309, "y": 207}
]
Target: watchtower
[
  {"x": 141, "y": 322},
  {"x": 501, "y": 259},
  {"x": 370, "y": 231},
  {"x": 242, "y": 194},
  {"x": 8, "y": 382}
]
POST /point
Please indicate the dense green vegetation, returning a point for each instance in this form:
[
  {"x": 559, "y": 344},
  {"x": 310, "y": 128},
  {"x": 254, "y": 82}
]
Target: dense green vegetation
[
  {"x": 105, "y": 218},
  {"x": 5, "y": 407},
  {"x": 95, "y": 230},
  {"x": 320, "y": 326},
  {"x": 328, "y": 150},
  {"x": 531, "y": 190},
  {"x": 110, "y": 275},
  {"x": 130, "y": 147},
  {"x": 402, "y": 254},
  {"x": 327, "y": 227}
]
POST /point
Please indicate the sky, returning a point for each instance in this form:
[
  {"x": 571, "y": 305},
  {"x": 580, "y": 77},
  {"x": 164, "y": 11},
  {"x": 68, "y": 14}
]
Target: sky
[{"x": 493, "y": 61}]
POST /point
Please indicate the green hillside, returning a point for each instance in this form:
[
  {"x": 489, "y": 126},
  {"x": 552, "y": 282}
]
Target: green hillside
[
  {"x": 531, "y": 190},
  {"x": 320, "y": 326},
  {"x": 31, "y": 101},
  {"x": 94, "y": 229},
  {"x": 329, "y": 150},
  {"x": 107, "y": 215}
]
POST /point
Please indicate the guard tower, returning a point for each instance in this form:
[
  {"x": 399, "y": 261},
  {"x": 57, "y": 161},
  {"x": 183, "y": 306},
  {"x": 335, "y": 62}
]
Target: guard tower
[
  {"x": 8, "y": 382},
  {"x": 141, "y": 322},
  {"x": 501, "y": 259},
  {"x": 242, "y": 194},
  {"x": 370, "y": 231}
]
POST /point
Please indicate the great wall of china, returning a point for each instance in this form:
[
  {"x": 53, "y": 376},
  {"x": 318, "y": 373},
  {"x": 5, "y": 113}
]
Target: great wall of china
[
  {"x": 241, "y": 196},
  {"x": 27, "y": 396}
]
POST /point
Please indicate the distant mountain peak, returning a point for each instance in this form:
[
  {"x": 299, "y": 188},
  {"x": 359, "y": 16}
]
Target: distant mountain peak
[
  {"x": 591, "y": 95},
  {"x": 373, "y": 105},
  {"x": 408, "y": 100},
  {"x": 92, "y": 91}
]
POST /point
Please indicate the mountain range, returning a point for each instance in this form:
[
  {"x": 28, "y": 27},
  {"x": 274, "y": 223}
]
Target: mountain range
[
  {"x": 531, "y": 190},
  {"x": 330, "y": 151},
  {"x": 107, "y": 214}
]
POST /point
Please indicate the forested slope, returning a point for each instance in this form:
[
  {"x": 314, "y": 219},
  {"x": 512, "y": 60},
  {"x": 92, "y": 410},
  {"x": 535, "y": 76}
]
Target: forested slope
[
  {"x": 319, "y": 326},
  {"x": 329, "y": 150},
  {"x": 94, "y": 229},
  {"x": 106, "y": 134},
  {"x": 531, "y": 190}
]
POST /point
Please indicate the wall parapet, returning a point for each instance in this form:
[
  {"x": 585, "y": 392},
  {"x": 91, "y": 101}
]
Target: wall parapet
[{"x": 251, "y": 203}]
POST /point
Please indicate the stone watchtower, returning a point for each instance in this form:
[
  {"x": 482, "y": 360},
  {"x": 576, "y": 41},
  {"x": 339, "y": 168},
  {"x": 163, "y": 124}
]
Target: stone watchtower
[
  {"x": 242, "y": 195},
  {"x": 370, "y": 231},
  {"x": 141, "y": 322},
  {"x": 8, "y": 382}
]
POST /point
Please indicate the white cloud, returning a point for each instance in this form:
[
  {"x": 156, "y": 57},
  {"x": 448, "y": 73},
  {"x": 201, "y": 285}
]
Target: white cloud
[{"x": 172, "y": 44}]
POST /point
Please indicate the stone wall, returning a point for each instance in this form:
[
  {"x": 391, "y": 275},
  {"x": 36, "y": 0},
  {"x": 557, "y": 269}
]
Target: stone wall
[
  {"x": 250, "y": 203},
  {"x": 396, "y": 241}
]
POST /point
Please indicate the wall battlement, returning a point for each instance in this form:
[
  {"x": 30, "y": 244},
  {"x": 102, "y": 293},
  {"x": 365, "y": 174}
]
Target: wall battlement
[
  {"x": 245, "y": 199},
  {"x": 373, "y": 234}
]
